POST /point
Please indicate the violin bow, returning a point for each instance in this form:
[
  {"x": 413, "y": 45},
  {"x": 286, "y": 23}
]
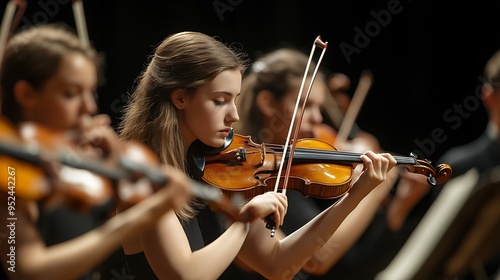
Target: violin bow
[
  {"x": 81, "y": 24},
  {"x": 317, "y": 43},
  {"x": 11, "y": 18},
  {"x": 364, "y": 85}
]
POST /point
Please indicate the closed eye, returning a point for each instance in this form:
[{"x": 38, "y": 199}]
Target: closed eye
[{"x": 70, "y": 94}]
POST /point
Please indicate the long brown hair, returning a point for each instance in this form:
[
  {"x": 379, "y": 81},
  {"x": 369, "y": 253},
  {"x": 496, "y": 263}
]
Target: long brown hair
[
  {"x": 34, "y": 55},
  {"x": 187, "y": 61}
]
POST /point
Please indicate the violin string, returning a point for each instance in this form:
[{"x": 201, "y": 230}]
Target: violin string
[{"x": 341, "y": 156}]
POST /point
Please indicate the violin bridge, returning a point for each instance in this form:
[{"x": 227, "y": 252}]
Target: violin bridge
[{"x": 262, "y": 154}]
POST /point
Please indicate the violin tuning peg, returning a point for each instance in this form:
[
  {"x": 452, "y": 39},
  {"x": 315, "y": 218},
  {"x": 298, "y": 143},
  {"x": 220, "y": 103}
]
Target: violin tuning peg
[
  {"x": 428, "y": 160},
  {"x": 413, "y": 155},
  {"x": 431, "y": 180}
]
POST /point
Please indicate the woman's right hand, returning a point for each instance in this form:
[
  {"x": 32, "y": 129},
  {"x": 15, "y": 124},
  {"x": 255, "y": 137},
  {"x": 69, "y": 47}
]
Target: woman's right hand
[
  {"x": 261, "y": 206},
  {"x": 97, "y": 133}
]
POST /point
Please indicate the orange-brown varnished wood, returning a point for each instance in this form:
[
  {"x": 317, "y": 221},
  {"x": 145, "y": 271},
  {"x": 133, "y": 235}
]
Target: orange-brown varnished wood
[{"x": 258, "y": 172}]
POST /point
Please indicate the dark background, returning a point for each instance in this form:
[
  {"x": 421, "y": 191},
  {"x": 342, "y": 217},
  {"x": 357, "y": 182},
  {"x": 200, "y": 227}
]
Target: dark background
[{"x": 427, "y": 58}]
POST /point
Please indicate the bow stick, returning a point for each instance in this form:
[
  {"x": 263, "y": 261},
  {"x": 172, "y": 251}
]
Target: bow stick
[
  {"x": 362, "y": 89},
  {"x": 317, "y": 43},
  {"x": 81, "y": 24},
  {"x": 11, "y": 18}
]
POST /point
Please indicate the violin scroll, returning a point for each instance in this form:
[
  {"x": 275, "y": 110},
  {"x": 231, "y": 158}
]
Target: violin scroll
[{"x": 439, "y": 175}]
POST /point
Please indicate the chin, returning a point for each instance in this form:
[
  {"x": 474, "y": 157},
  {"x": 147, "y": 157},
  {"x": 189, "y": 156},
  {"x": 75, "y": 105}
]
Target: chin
[
  {"x": 217, "y": 143},
  {"x": 214, "y": 142}
]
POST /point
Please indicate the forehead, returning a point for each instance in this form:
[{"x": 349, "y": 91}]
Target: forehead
[
  {"x": 228, "y": 81},
  {"x": 317, "y": 94},
  {"x": 75, "y": 68}
]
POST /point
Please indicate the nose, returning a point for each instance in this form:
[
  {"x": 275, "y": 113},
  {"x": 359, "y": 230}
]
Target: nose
[
  {"x": 232, "y": 116},
  {"x": 316, "y": 117},
  {"x": 89, "y": 104}
]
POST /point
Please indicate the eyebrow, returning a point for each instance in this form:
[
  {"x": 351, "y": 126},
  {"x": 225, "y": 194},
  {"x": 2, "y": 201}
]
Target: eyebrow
[{"x": 228, "y": 93}]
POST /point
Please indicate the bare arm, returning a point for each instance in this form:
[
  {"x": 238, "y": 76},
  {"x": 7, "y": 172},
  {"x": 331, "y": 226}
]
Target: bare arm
[
  {"x": 170, "y": 256},
  {"x": 351, "y": 228},
  {"x": 282, "y": 259}
]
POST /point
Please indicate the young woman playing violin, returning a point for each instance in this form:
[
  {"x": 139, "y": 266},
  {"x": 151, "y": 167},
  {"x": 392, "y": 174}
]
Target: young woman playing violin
[
  {"x": 269, "y": 92},
  {"x": 187, "y": 94},
  {"x": 49, "y": 78}
]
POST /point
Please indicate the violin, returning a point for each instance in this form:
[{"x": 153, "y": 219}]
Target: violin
[
  {"x": 46, "y": 166},
  {"x": 361, "y": 141},
  {"x": 325, "y": 132},
  {"x": 33, "y": 183},
  {"x": 318, "y": 169}
]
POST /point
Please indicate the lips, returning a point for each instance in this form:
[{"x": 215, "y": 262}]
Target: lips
[{"x": 225, "y": 132}]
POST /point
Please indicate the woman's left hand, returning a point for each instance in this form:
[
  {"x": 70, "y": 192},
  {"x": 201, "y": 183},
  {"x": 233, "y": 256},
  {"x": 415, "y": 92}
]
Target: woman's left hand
[{"x": 376, "y": 167}]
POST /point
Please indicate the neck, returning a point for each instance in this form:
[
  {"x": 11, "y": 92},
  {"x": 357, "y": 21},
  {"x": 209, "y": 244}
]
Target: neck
[{"x": 187, "y": 137}]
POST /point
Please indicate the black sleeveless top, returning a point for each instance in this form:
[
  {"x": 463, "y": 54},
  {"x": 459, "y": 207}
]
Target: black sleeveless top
[{"x": 63, "y": 224}]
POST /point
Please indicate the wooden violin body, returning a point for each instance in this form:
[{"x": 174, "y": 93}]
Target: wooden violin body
[
  {"x": 251, "y": 168},
  {"x": 49, "y": 168},
  {"x": 318, "y": 169},
  {"x": 19, "y": 177}
]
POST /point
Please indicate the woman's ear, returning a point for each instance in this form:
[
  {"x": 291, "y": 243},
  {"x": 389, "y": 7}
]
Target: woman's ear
[
  {"x": 178, "y": 98},
  {"x": 24, "y": 94},
  {"x": 266, "y": 103}
]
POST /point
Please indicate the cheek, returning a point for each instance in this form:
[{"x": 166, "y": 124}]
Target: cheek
[
  {"x": 284, "y": 113},
  {"x": 199, "y": 120},
  {"x": 63, "y": 113},
  {"x": 197, "y": 115},
  {"x": 308, "y": 115},
  {"x": 288, "y": 111}
]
